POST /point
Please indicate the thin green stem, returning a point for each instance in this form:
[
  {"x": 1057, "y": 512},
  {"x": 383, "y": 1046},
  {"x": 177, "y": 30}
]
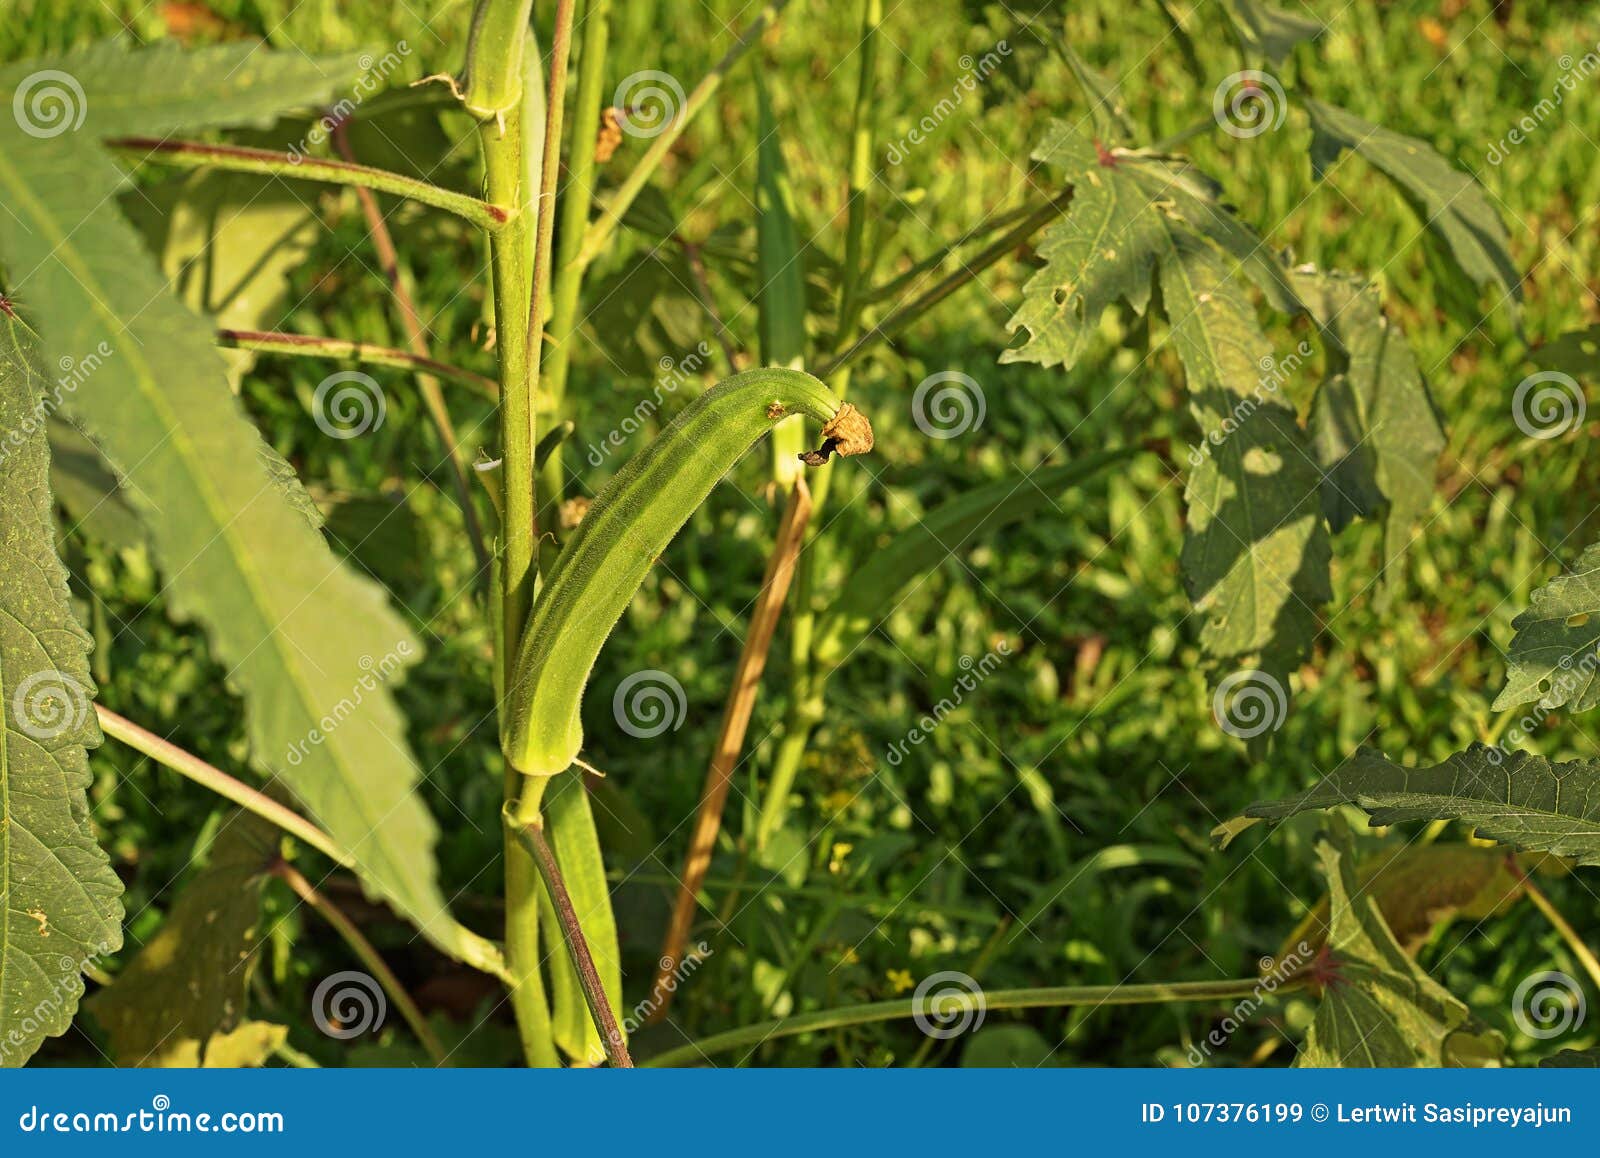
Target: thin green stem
[
  {"x": 340, "y": 349},
  {"x": 198, "y": 155},
  {"x": 1096, "y": 995},
  {"x": 401, "y": 285},
  {"x": 594, "y": 994},
  {"x": 934, "y": 260},
  {"x": 369, "y": 956},
  {"x": 494, "y": 71},
  {"x": 861, "y": 145},
  {"x": 509, "y": 253},
  {"x": 576, "y": 200},
  {"x": 190, "y": 766},
  {"x": 911, "y": 311},
  {"x": 544, "y": 235},
  {"x": 616, "y": 207},
  {"x": 1558, "y": 921}
]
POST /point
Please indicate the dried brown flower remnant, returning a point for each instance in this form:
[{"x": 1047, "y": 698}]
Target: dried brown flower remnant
[
  {"x": 776, "y": 410},
  {"x": 606, "y": 144},
  {"x": 847, "y": 432}
]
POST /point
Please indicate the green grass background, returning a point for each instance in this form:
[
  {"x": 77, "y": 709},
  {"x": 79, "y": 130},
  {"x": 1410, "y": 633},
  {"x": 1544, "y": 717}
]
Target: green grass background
[{"x": 1098, "y": 730}]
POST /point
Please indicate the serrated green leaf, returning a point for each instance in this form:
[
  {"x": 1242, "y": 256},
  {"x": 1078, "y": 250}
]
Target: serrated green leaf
[
  {"x": 1378, "y": 1007},
  {"x": 61, "y": 901},
  {"x": 1263, "y": 30},
  {"x": 1131, "y": 211},
  {"x": 1450, "y": 203},
  {"x": 112, "y": 89},
  {"x": 1256, "y": 554},
  {"x": 189, "y": 984},
  {"x": 309, "y": 646},
  {"x": 1553, "y": 658},
  {"x": 1515, "y": 798},
  {"x": 880, "y": 577},
  {"x": 1374, "y": 426}
]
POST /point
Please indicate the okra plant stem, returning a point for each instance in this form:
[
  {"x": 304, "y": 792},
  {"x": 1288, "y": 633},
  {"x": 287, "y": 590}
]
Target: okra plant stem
[
  {"x": 532, "y": 838},
  {"x": 493, "y": 77},
  {"x": 365, "y": 353},
  {"x": 191, "y": 767},
  {"x": 197, "y": 155},
  {"x": 576, "y": 199},
  {"x": 1095, "y": 995}
]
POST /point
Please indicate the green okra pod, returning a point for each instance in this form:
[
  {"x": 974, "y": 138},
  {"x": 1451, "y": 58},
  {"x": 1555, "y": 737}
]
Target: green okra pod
[{"x": 628, "y": 526}]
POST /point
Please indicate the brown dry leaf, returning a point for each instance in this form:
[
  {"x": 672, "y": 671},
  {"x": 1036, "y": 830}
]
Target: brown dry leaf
[{"x": 1420, "y": 887}]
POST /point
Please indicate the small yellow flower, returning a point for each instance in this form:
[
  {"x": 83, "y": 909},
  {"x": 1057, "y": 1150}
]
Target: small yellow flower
[
  {"x": 901, "y": 980},
  {"x": 840, "y": 850}
]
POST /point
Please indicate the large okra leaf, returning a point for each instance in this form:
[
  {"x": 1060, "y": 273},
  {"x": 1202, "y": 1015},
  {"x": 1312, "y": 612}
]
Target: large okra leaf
[{"x": 311, "y": 648}]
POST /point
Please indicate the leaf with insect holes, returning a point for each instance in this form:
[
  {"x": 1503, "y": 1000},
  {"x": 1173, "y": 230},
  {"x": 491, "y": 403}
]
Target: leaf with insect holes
[
  {"x": 1554, "y": 656},
  {"x": 1516, "y": 798},
  {"x": 309, "y": 646},
  {"x": 61, "y": 899},
  {"x": 189, "y": 984},
  {"x": 1451, "y": 204},
  {"x": 1269, "y": 32},
  {"x": 1131, "y": 211},
  {"x": 1373, "y": 426},
  {"x": 1378, "y": 1007},
  {"x": 1256, "y": 556}
]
